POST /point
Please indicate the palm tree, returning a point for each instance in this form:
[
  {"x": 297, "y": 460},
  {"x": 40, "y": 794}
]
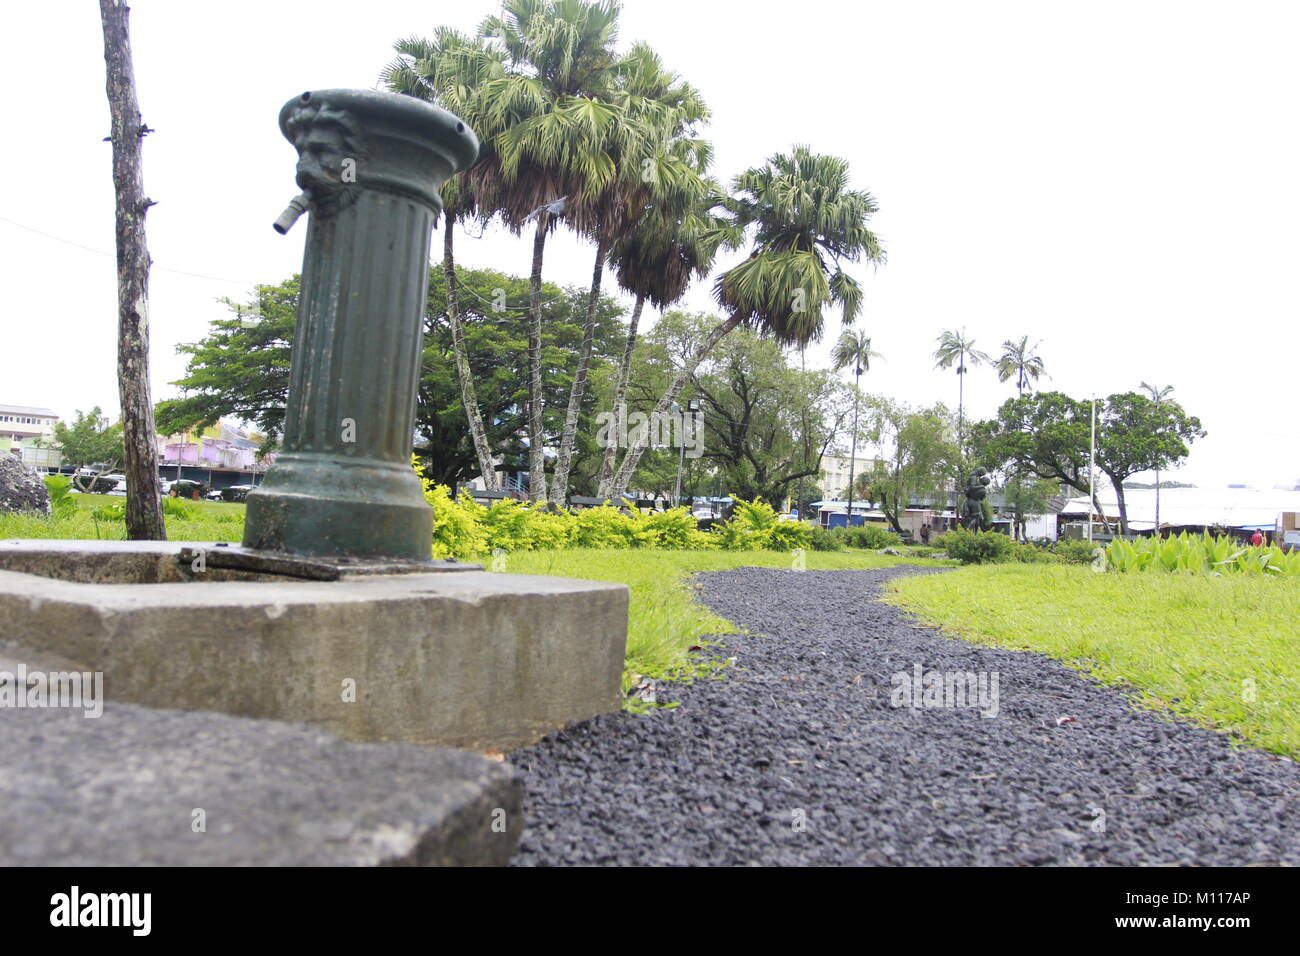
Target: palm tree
[
  {"x": 853, "y": 350},
  {"x": 956, "y": 349},
  {"x": 658, "y": 112},
  {"x": 1021, "y": 360},
  {"x": 556, "y": 132},
  {"x": 802, "y": 214},
  {"x": 450, "y": 70},
  {"x": 1158, "y": 396}
]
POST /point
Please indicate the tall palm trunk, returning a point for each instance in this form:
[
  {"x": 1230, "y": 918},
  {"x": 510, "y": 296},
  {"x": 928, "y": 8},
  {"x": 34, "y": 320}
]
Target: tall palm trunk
[
  {"x": 536, "y": 455},
  {"x": 961, "y": 397},
  {"x": 620, "y": 397},
  {"x": 568, "y": 438},
  {"x": 633, "y": 456},
  {"x": 468, "y": 395},
  {"x": 853, "y": 446}
]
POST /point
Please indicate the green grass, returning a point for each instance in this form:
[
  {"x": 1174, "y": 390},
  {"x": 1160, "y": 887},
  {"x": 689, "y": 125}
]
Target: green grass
[
  {"x": 210, "y": 521},
  {"x": 1193, "y": 645},
  {"x": 664, "y": 621}
]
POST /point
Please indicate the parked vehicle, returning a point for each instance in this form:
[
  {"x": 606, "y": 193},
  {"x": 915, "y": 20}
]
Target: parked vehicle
[
  {"x": 185, "y": 488},
  {"x": 234, "y": 492}
]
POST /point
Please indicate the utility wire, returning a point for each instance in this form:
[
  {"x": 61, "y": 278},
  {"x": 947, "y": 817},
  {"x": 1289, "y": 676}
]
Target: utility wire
[{"x": 101, "y": 252}]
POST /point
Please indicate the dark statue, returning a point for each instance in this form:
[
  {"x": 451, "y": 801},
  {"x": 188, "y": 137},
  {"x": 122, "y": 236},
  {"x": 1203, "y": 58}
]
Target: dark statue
[{"x": 973, "y": 517}]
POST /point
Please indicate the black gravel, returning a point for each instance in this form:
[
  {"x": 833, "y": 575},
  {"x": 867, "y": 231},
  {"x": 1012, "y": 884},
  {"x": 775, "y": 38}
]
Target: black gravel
[{"x": 803, "y": 727}]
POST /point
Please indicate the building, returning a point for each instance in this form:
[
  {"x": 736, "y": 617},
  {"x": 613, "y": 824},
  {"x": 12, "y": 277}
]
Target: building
[
  {"x": 220, "y": 456},
  {"x": 834, "y": 477},
  {"x": 21, "y": 427}
]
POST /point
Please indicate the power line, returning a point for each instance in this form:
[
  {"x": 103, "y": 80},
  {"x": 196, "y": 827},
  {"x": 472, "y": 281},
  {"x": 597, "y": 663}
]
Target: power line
[{"x": 101, "y": 252}]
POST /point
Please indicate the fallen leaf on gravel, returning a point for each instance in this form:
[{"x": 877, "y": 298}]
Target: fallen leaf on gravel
[{"x": 496, "y": 755}]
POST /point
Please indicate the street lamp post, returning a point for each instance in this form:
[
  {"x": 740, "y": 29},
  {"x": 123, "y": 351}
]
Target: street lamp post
[{"x": 692, "y": 406}]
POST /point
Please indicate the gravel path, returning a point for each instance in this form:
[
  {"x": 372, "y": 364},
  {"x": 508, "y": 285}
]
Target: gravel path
[{"x": 798, "y": 757}]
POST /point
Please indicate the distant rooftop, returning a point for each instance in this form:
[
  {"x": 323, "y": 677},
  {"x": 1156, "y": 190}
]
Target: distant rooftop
[{"x": 27, "y": 410}]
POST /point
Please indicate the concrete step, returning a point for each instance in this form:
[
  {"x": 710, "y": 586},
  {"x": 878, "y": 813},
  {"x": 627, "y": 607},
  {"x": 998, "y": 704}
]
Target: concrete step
[{"x": 137, "y": 786}]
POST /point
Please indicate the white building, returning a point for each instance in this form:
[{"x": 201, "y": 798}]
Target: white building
[
  {"x": 20, "y": 427},
  {"x": 834, "y": 477}
]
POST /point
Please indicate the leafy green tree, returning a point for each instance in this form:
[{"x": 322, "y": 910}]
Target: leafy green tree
[
  {"x": 853, "y": 350},
  {"x": 806, "y": 224},
  {"x": 1020, "y": 360},
  {"x": 919, "y": 451},
  {"x": 90, "y": 443},
  {"x": 956, "y": 349},
  {"x": 1135, "y": 434},
  {"x": 240, "y": 370},
  {"x": 1024, "y": 495},
  {"x": 1048, "y": 434},
  {"x": 766, "y": 425},
  {"x": 1045, "y": 434}
]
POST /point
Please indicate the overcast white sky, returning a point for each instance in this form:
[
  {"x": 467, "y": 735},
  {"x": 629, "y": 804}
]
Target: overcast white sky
[{"x": 1119, "y": 180}]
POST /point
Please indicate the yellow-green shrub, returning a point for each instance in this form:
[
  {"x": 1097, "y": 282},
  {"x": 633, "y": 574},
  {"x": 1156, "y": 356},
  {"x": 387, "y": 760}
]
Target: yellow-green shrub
[
  {"x": 462, "y": 528},
  {"x": 605, "y": 527},
  {"x": 457, "y": 528}
]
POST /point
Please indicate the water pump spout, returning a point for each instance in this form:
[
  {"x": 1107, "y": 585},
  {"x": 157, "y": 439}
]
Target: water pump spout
[{"x": 298, "y": 205}]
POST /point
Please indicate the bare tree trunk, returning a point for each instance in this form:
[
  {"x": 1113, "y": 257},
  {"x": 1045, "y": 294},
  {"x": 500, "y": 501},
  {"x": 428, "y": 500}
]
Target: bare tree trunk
[
  {"x": 569, "y": 437},
  {"x": 620, "y": 398},
  {"x": 633, "y": 456},
  {"x": 468, "y": 394},
  {"x": 144, "y": 515},
  {"x": 536, "y": 455}
]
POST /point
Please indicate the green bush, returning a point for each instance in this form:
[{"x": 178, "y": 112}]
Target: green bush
[
  {"x": 871, "y": 537},
  {"x": 788, "y": 535},
  {"x": 977, "y": 547},
  {"x": 751, "y": 527},
  {"x": 457, "y": 528},
  {"x": 464, "y": 528},
  {"x": 827, "y": 539},
  {"x": 1074, "y": 551},
  {"x": 1033, "y": 554},
  {"x": 674, "y": 529},
  {"x": 605, "y": 527}
]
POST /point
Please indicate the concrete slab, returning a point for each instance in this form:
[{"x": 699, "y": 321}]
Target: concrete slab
[
  {"x": 170, "y": 788},
  {"x": 470, "y": 659}
]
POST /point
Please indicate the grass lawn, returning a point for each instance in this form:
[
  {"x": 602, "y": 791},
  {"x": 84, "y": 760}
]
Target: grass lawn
[
  {"x": 1199, "y": 646},
  {"x": 664, "y": 621},
  {"x": 203, "y": 521}
]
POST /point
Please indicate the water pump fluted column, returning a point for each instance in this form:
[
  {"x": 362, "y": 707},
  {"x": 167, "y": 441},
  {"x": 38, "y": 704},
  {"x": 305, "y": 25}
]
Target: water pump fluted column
[{"x": 370, "y": 166}]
